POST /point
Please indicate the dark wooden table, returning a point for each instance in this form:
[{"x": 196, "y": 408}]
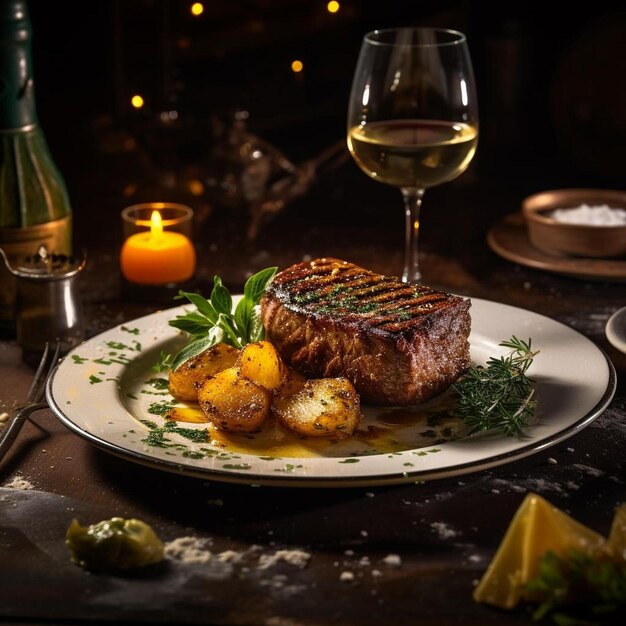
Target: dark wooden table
[{"x": 444, "y": 532}]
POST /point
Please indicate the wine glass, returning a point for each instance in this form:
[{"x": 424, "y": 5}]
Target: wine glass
[{"x": 413, "y": 116}]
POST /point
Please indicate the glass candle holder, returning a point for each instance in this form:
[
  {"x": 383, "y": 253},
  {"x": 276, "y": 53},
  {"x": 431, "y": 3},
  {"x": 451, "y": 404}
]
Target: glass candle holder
[{"x": 158, "y": 247}]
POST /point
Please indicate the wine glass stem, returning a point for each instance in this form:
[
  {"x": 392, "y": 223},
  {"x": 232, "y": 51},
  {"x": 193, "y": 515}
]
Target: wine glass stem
[{"x": 412, "y": 205}]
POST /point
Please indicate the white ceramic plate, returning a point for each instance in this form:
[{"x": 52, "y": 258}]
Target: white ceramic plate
[
  {"x": 104, "y": 388},
  {"x": 616, "y": 329}
]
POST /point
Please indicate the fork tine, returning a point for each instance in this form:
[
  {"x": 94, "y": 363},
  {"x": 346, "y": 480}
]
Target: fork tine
[
  {"x": 46, "y": 365},
  {"x": 35, "y": 398},
  {"x": 53, "y": 364},
  {"x": 40, "y": 368}
]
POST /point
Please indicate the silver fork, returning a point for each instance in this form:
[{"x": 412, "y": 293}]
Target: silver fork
[{"x": 34, "y": 400}]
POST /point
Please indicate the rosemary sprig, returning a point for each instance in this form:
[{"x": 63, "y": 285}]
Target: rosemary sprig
[
  {"x": 576, "y": 590},
  {"x": 213, "y": 320},
  {"x": 498, "y": 395}
]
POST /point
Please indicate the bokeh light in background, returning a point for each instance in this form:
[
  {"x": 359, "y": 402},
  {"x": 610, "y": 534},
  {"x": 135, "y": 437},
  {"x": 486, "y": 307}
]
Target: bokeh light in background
[
  {"x": 195, "y": 187},
  {"x": 205, "y": 60},
  {"x": 297, "y": 66},
  {"x": 197, "y": 8},
  {"x": 137, "y": 101}
]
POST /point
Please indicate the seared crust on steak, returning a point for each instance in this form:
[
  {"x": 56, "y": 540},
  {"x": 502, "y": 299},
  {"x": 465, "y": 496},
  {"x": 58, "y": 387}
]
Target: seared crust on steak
[{"x": 397, "y": 343}]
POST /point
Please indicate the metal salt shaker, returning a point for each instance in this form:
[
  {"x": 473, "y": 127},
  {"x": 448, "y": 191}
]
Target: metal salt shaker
[{"x": 48, "y": 305}]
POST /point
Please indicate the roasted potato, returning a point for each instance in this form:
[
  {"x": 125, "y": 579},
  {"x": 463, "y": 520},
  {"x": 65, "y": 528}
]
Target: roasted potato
[
  {"x": 294, "y": 381},
  {"x": 185, "y": 380},
  {"x": 323, "y": 407},
  {"x": 261, "y": 363},
  {"x": 234, "y": 403}
]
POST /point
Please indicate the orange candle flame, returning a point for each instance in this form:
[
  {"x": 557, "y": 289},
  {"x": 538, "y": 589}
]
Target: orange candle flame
[{"x": 156, "y": 225}]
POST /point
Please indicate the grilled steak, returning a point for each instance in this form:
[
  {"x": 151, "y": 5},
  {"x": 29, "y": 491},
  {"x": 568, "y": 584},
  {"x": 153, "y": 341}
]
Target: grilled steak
[{"x": 397, "y": 343}]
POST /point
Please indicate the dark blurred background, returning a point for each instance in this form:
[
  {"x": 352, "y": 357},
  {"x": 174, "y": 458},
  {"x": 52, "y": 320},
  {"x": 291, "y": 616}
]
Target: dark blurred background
[{"x": 551, "y": 89}]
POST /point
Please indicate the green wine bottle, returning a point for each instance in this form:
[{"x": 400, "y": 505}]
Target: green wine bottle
[{"x": 34, "y": 204}]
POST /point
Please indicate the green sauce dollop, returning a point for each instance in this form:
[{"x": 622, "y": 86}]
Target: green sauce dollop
[{"x": 115, "y": 544}]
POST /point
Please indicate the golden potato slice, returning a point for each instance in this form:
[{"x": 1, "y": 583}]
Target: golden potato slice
[
  {"x": 234, "y": 403},
  {"x": 294, "y": 381},
  {"x": 323, "y": 407},
  {"x": 185, "y": 380},
  {"x": 261, "y": 363}
]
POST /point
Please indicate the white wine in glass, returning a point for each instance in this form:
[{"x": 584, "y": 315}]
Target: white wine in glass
[{"x": 413, "y": 116}]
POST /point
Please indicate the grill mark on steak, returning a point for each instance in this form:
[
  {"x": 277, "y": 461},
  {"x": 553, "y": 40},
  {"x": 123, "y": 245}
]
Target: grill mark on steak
[
  {"x": 330, "y": 287},
  {"x": 314, "y": 282},
  {"x": 397, "y": 343}
]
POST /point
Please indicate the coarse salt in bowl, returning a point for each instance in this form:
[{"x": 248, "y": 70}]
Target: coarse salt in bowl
[
  {"x": 578, "y": 222},
  {"x": 597, "y": 215}
]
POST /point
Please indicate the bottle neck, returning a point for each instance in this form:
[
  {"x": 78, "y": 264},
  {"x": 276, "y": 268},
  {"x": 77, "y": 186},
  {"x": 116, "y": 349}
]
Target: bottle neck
[{"x": 17, "y": 88}]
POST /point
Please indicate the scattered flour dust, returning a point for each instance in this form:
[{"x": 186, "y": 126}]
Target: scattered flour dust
[
  {"x": 299, "y": 558},
  {"x": 188, "y": 550},
  {"x": 197, "y": 550},
  {"x": 17, "y": 481},
  {"x": 392, "y": 560},
  {"x": 443, "y": 530},
  {"x": 230, "y": 556}
]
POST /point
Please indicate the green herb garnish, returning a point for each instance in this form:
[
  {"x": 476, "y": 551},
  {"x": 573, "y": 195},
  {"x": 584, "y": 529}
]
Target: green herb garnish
[
  {"x": 577, "y": 590},
  {"x": 161, "y": 408},
  {"x": 498, "y": 395},
  {"x": 213, "y": 320}
]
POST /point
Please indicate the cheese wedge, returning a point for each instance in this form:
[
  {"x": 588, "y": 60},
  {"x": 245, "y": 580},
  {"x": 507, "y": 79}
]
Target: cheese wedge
[
  {"x": 537, "y": 527},
  {"x": 617, "y": 537}
]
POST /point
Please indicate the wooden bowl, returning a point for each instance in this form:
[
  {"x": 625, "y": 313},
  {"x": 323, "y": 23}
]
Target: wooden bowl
[{"x": 553, "y": 236}]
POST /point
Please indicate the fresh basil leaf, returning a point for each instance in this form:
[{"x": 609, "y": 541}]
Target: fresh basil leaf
[
  {"x": 193, "y": 323},
  {"x": 201, "y": 303},
  {"x": 256, "y": 284},
  {"x": 230, "y": 336},
  {"x": 243, "y": 315},
  {"x": 220, "y": 297},
  {"x": 197, "y": 346},
  {"x": 256, "y": 332},
  {"x": 213, "y": 321}
]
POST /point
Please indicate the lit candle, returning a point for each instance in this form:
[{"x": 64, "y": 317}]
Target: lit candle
[{"x": 156, "y": 257}]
